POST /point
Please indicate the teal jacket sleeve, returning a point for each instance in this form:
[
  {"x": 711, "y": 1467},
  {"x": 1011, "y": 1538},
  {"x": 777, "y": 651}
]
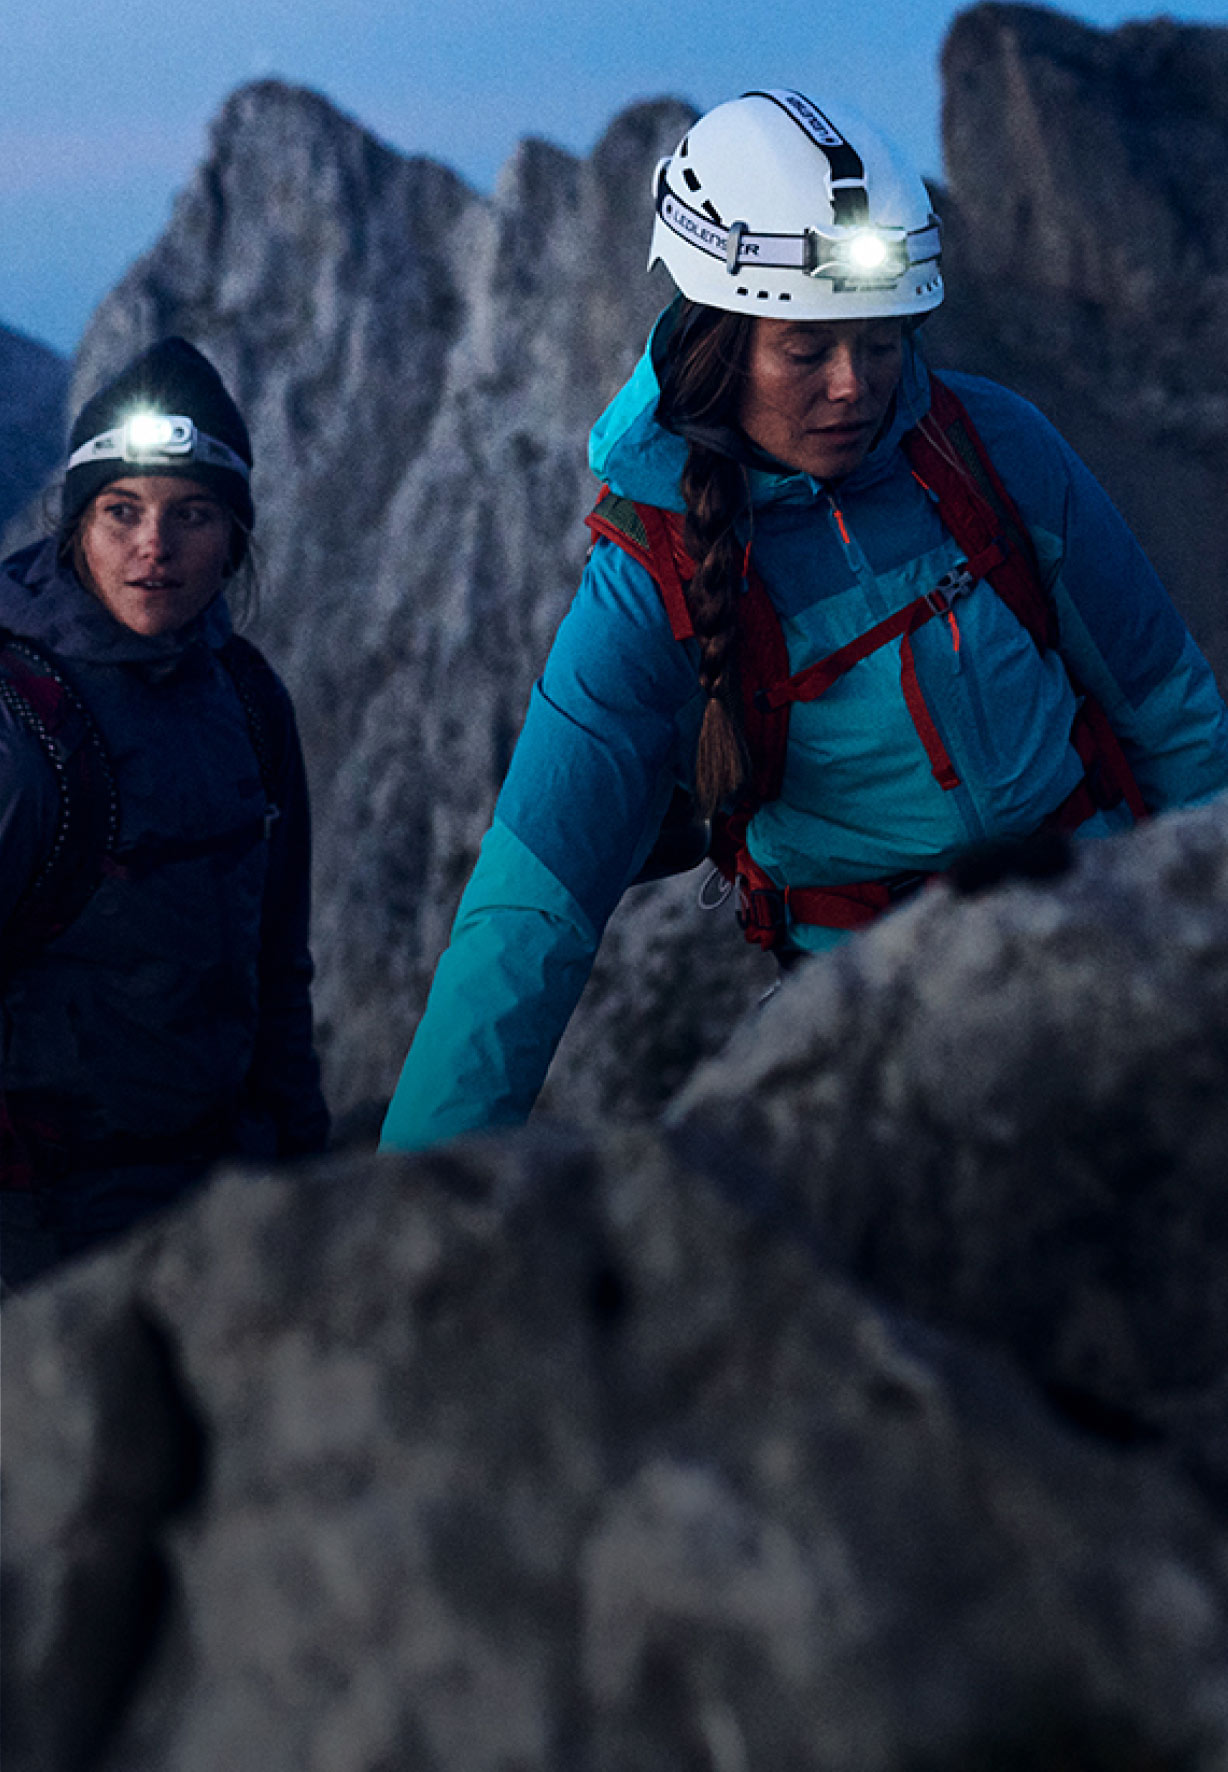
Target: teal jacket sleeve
[
  {"x": 608, "y": 731},
  {"x": 519, "y": 957}
]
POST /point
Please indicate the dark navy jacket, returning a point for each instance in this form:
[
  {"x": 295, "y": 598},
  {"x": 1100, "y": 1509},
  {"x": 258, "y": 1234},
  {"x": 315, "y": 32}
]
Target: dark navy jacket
[{"x": 181, "y": 994}]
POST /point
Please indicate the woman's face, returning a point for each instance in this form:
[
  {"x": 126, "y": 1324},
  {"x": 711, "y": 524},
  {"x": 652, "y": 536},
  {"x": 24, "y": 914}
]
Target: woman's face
[
  {"x": 817, "y": 391},
  {"x": 155, "y": 549}
]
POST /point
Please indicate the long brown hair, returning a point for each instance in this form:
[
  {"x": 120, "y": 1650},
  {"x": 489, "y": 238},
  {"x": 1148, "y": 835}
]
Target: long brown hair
[{"x": 702, "y": 374}]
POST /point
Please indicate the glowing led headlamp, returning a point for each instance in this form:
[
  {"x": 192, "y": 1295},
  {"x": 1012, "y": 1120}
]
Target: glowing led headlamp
[
  {"x": 859, "y": 255},
  {"x": 151, "y": 438},
  {"x": 149, "y": 434}
]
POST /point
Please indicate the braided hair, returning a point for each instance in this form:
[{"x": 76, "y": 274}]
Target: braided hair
[{"x": 702, "y": 374}]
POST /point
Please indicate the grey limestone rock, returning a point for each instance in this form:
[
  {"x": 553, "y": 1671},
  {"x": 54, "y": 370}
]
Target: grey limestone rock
[
  {"x": 1088, "y": 257},
  {"x": 1009, "y": 1113},
  {"x": 547, "y": 1451}
]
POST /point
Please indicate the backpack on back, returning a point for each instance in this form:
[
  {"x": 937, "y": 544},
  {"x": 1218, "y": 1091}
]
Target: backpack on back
[{"x": 85, "y": 848}]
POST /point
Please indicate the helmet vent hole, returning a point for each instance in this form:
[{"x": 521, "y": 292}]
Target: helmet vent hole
[
  {"x": 714, "y": 212},
  {"x": 783, "y": 295},
  {"x": 691, "y": 178},
  {"x": 743, "y": 291},
  {"x": 762, "y": 294},
  {"x": 685, "y": 148}
]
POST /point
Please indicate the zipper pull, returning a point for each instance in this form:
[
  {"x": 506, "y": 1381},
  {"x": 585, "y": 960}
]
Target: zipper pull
[{"x": 955, "y": 640}]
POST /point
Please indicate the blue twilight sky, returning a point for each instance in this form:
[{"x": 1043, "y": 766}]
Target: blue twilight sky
[{"x": 104, "y": 106}]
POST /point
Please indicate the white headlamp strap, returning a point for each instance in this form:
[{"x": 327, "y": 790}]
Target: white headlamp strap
[
  {"x": 182, "y": 442},
  {"x": 850, "y": 201},
  {"x": 737, "y": 246}
]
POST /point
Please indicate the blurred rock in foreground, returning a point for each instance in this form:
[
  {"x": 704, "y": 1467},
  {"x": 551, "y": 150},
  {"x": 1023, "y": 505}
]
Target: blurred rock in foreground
[{"x": 869, "y": 1419}]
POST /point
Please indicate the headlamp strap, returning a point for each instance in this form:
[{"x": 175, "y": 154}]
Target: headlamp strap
[
  {"x": 737, "y": 246},
  {"x": 850, "y": 201},
  {"x": 189, "y": 445}
]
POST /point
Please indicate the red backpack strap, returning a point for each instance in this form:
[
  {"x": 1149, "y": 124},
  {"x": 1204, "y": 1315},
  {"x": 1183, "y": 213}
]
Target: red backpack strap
[
  {"x": 948, "y": 457},
  {"x": 763, "y": 663},
  {"x": 40, "y": 698},
  {"x": 656, "y": 539}
]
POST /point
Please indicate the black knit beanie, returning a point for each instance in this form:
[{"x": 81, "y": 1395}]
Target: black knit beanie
[{"x": 174, "y": 379}]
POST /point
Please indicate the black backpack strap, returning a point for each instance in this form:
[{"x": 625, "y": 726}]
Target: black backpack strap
[
  {"x": 42, "y": 700},
  {"x": 266, "y": 708}
]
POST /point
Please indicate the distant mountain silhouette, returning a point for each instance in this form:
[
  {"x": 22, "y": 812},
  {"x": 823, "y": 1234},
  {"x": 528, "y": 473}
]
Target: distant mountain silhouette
[{"x": 33, "y": 382}]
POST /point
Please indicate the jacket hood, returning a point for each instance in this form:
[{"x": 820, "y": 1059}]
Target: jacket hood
[
  {"x": 44, "y": 601},
  {"x": 639, "y": 459}
]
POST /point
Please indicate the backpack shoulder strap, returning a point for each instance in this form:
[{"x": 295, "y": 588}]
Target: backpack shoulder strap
[
  {"x": 656, "y": 539},
  {"x": 43, "y": 701},
  {"x": 950, "y": 460},
  {"x": 265, "y": 707},
  {"x": 948, "y": 455},
  {"x": 763, "y": 662}
]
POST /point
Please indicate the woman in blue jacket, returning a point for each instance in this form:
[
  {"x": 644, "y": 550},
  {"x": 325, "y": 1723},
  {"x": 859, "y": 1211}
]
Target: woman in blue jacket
[
  {"x": 154, "y": 965},
  {"x": 775, "y": 421}
]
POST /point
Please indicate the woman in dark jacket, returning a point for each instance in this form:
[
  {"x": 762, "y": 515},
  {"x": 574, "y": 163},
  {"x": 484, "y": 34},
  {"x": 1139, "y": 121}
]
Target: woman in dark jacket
[{"x": 154, "y": 965}]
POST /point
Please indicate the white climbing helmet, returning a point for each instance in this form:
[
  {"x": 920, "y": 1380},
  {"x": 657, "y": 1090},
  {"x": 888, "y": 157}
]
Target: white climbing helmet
[{"x": 772, "y": 206}]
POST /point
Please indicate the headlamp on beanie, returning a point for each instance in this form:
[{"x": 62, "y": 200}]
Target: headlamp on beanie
[
  {"x": 148, "y": 438},
  {"x": 166, "y": 414},
  {"x": 150, "y": 433}
]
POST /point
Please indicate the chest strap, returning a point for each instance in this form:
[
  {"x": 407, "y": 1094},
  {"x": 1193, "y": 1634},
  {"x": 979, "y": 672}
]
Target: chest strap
[{"x": 817, "y": 678}]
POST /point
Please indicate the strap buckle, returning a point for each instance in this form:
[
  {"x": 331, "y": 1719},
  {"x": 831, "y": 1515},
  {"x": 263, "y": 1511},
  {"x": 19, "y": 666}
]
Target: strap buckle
[
  {"x": 764, "y": 909},
  {"x": 956, "y": 583},
  {"x": 733, "y": 247},
  {"x": 902, "y": 886}
]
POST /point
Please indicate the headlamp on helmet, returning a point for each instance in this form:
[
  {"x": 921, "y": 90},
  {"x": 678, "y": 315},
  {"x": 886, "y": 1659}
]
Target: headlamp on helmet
[
  {"x": 858, "y": 255},
  {"x": 772, "y": 205}
]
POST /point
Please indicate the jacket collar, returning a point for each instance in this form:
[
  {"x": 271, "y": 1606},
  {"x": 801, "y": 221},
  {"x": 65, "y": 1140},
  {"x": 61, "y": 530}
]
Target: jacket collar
[
  {"x": 45, "y": 601},
  {"x": 639, "y": 459}
]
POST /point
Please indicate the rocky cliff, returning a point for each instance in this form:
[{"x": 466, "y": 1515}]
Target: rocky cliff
[
  {"x": 33, "y": 385},
  {"x": 1089, "y": 259},
  {"x": 869, "y": 1419},
  {"x": 420, "y": 365}
]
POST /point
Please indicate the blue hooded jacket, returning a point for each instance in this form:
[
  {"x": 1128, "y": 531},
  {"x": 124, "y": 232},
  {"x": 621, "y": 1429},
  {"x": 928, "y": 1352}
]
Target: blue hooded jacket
[
  {"x": 181, "y": 994},
  {"x": 613, "y": 723}
]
